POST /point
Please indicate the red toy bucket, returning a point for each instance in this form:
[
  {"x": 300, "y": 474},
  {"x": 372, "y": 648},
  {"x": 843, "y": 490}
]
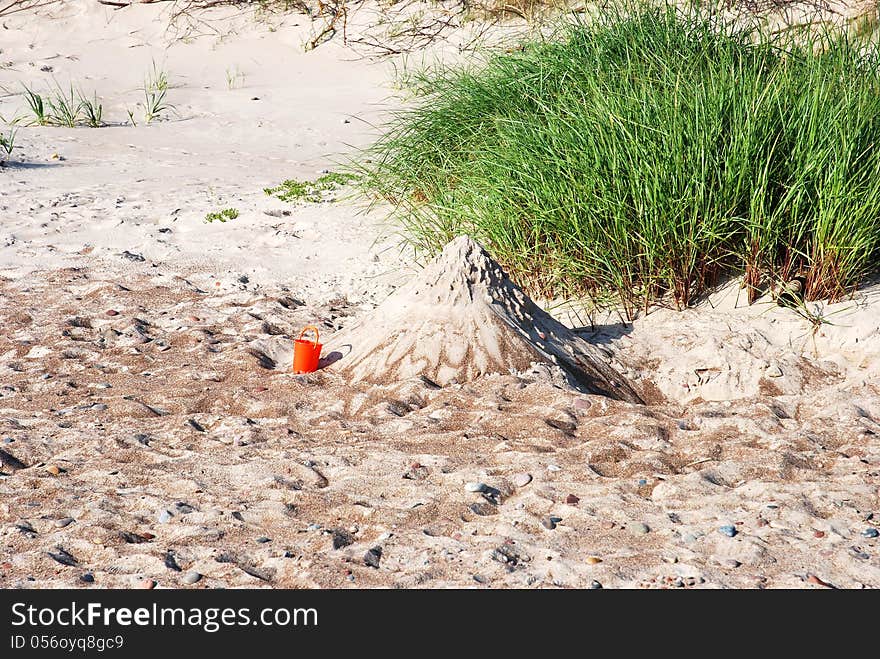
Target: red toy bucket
[{"x": 306, "y": 353}]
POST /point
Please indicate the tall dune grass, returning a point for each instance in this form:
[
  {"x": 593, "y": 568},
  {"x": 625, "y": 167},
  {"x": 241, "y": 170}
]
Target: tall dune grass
[{"x": 646, "y": 154}]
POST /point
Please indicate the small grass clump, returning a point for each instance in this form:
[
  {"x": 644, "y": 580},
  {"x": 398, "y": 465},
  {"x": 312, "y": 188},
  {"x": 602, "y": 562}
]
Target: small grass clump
[
  {"x": 155, "y": 90},
  {"x": 645, "y": 155},
  {"x": 7, "y": 144},
  {"x": 310, "y": 191},
  {"x": 222, "y": 215},
  {"x": 60, "y": 107}
]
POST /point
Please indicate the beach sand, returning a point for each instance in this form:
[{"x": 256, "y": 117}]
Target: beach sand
[{"x": 152, "y": 434}]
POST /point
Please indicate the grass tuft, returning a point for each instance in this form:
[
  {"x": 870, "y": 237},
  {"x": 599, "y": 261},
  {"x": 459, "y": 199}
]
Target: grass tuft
[
  {"x": 7, "y": 143},
  {"x": 645, "y": 155}
]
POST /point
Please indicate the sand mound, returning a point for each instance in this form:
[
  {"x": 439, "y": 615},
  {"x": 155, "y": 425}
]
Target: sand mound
[{"x": 459, "y": 319}]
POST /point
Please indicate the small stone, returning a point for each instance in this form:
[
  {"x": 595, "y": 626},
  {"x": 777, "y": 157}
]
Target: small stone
[
  {"x": 870, "y": 532},
  {"x": 64, "y": 521},
  {"x": 818, "y": 534},
  {"x": 554, "y": 468},
  {"x": 483, "y": 509},
  {"x": 595, "y": 585},
  {"x": 263, "y": 540},
  {"x": 474, "y": 487},
  {"x": 171, "y": 562},
  {"x": 813, "y": 579},
  {"x": 773, "y": 371},
  {"x": 728, "y": 529},
  {"x": 111, "y": 312},
  {"x": 638, "y": 528},
  {"x": 548, "y": 523},
  {"x": 521, "y": 480},
  {"x": 572, "y": 500},
  {"x": 593, "y": 560},
  {"x": 607, "y": 524},
  {"x": 642, "y": 482},
  {"x": 131, "y": 256},
  {"x": 372, "y": 557},
  {"x": 53, "y": 469},
  {"x": 191, "y": 577},
  {"x": 146, "y": 584},
  {"x": 87, "y": 577},
  {"x": 341, "y": 538},
  {"x": 164, "y": 517}
]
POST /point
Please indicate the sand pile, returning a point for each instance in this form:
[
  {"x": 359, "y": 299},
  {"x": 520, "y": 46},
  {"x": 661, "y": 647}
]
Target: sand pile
[{"x": 462, "y": 318}]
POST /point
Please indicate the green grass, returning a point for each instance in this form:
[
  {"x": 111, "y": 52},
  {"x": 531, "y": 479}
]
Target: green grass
[
  {"x": 645, "y": 156},
  {"x": 155, "y": 90},
  {"x": 222, "y": 215},
  {"x": 68, "y": 108},
  {"x": 7, "y": 143},
  {"x": 310, "y": 191}
]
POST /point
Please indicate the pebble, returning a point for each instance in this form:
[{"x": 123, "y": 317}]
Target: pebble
[
  {"x": 88, "y": 577},
  {"x": 572, "y": 500},
  {"x": 372, "y": 557},
  {"x": 171, "y": 561},
  {"x": 474, "y": 487},
  {"x": 483, "y": 509},
  {"x": 818, "y": 534},
  {"x": 64, "y": 521},
  {"x": 548, "y": 523},
  {"x": 111, "y": 312},
  {"x": 554, "y": 468},
  {"x": 53, "y": 469},
  {"x": 773, "y": 371},
  {"x": 164, "y": 517},
  {"x": 146, "y": 584},
  {"x": 593, "y": 560},
  {"x": 521, "y": 480},
  {"x": 341, "y": 538},
  {"x": 639, "y": 528},
  {"x": 595, "y": 585},
  {"x": 191, "y": 577},
  {"x": 728, "y": 529},
  {"x": 813, "y": 579},
  {"x": 871, "y": 532},
  {"x": 263, "y": 540},
  {"x": 642, "y": 482}
]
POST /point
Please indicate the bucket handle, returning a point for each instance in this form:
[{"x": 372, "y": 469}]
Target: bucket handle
[{"x": 306, "y": 329}]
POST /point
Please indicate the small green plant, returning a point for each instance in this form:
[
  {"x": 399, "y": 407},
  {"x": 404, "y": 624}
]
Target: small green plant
[
  {"x": 234, "y": 78},
  {"x": 7, "y": 143},
  {"x": 222, "y": 215},
  {"x": 36, "y": 106},
  {"x": 310, "y": 191},
  {"x": 92, "y": 111},
  {"x": 64, "y": 107},
  {"x": 155, "y": 89}
]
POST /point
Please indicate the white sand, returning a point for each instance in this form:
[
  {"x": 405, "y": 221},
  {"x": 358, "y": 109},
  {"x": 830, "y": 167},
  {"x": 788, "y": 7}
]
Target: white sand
[{"x": 120, "y": 418}]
